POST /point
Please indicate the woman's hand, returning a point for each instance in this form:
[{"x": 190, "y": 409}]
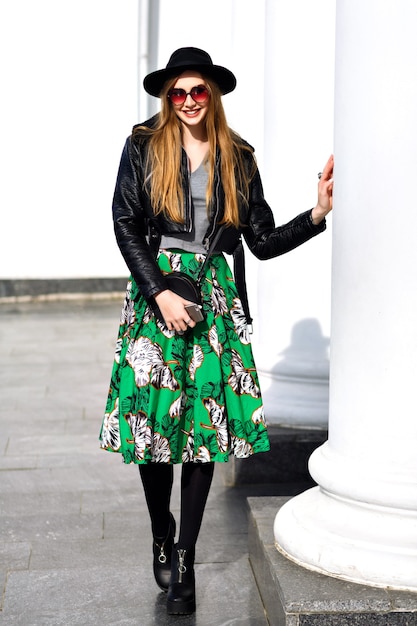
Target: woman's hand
[
  {"x": 172, "y": 307},
  {"x": 325, "y": 193}
]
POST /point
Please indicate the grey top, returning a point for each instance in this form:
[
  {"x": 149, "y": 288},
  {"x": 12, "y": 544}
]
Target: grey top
[{"x": 193, "y": 241}]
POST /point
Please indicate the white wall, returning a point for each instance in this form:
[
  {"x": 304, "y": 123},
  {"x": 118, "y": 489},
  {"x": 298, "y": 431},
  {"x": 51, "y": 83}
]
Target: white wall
[
  {"x": 68, "y": 102},
  {"x": 71, "y": 79}
]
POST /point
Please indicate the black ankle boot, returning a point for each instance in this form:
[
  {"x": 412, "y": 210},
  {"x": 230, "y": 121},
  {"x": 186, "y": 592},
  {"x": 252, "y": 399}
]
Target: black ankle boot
[
  {"x": 162, "y": 553},
  {"x": 181, "y": 592}
]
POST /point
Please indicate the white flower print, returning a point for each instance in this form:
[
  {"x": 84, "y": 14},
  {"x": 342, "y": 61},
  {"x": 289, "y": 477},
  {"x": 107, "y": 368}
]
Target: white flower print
[
  {"x": 218, "y": 297},
  {"x": 219, "y": 421},
  {"x": 161, "y": 452},
  {"x": 128, "y": 313},
  {"x": 177, "y": 407},
  {"x": 214, "y": 341},
  {"x": 110, "y": 435},
  {"x": 127, "y": 304},
  {"x": 258, "y": 416},
  {"x": 149, "y": 315},
  {"x": 188, "y": 450},
  {"x": 165, "y": 330},
  {"x": 241, "y": 380},
  {"x": 239, "y": 321},
  {"x": 203, "y": 455},
  {"x": 241, "y": 448},
  {"x": 141, "y": 433},
  {"x": 196, "y": 360},
  {"x": 118, "y": 350},
  {"x": 174, "y": 259},
  {"x": 146, "y": 359}
]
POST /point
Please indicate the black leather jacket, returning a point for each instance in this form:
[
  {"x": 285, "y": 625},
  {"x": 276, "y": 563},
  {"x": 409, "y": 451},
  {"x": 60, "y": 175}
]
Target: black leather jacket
[{"x": 133, "y": 215}]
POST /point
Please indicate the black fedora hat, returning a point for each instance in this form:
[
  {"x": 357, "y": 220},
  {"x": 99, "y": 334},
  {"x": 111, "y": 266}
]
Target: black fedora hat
[{"x": 190, "y": 59}]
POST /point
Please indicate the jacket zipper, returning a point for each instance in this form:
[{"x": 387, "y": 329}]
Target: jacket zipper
[
  {"x": 206, "y": 242},
  {"x": 189, "y": 218}
]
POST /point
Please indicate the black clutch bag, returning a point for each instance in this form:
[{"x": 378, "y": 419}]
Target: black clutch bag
[{"x": 184, "y": 286}]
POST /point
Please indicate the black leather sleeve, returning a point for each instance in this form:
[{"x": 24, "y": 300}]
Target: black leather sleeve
[
  {"x": 130, "y": 226},
  {"x": 264, "y": 239}
]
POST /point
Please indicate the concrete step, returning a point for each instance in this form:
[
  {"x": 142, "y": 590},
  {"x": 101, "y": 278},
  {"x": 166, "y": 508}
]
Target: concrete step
[{"x": 295, "y": 596}]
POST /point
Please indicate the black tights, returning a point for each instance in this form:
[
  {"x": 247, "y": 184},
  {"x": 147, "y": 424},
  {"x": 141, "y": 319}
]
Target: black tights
[{"x": 157, "y": 481}]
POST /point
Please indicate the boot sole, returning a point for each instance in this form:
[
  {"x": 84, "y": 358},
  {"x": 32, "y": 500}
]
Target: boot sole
[{"x": 181, "y": 608}]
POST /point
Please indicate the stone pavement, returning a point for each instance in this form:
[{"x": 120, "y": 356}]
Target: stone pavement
[{"x": 75, "y": 542}]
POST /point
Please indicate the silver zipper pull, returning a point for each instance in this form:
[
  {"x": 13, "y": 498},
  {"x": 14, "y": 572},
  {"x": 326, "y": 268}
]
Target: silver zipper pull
[
  {"x": 181, "y": 567},
  {"x": 162, "y": 556}
]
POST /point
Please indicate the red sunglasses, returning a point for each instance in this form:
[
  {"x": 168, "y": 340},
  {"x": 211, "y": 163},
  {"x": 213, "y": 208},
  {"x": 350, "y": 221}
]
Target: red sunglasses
[{"x": 199, "y": 94}]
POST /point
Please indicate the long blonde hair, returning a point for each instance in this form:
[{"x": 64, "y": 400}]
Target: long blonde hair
[{"x": 163, "y": 163}]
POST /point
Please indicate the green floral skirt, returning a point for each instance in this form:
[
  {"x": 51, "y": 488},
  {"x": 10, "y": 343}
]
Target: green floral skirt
[{"x": 180, "y": 398}]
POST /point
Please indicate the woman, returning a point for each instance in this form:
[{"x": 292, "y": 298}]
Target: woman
[{"x": 186, "y": 391}]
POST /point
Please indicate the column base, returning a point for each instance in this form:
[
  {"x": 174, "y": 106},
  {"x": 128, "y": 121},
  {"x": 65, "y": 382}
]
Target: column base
[
  {"x": 349, "y": 539},
  {"x": 295, "y": 596}
]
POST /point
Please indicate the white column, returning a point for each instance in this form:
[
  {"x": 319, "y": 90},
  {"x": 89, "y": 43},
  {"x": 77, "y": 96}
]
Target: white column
[
  {"x": 360, "y": 523},
  {"x": 292, "y": 321}
]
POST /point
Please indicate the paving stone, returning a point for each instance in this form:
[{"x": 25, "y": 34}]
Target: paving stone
[
  {"x": 51, "y": 527},
  {"x": 56, "y": 480},
  {"x": 15, "y": 555},
  {"x": 121, "y": 595},
  {"x": 50, "y": 444},
  {"x": 22, "y": 504},
  {"x": 113, "y": 500},
  {"x": 81, "y": 554},
  {"x": 128, "y": 523},
  {"x": 222, "y": 548}
]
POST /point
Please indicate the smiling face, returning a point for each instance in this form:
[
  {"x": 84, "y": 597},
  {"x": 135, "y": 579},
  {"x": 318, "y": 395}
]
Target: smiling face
[{"x": 190, "y": 112}]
